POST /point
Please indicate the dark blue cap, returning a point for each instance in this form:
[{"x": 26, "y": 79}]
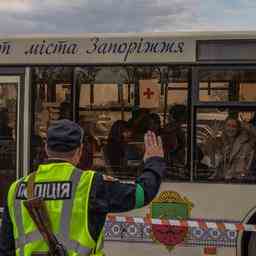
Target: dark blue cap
[{"x": 64, "y": 136}]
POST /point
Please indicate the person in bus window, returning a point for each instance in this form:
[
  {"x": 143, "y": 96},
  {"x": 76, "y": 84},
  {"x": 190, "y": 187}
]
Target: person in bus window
[
  {"x": 154, "y": 123},
  {"x": 236, "y": 151},
  {"x": 249, "y": 123},
  {"x": 149, "y": 122},
  {"x": 143, "y": 123},
  {"x": 173, "y": 135},
  {"x": 139, "y": 123},
  {"x": 115, "y": 149},
  {"x": 91, "y": 144},
  {"x": 5, "y": 130},
  {"x": 65, "y": 110},
  {"x": 38, "y": 154}
]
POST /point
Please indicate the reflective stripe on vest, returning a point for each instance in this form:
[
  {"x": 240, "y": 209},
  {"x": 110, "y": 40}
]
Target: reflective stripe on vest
[
  {"x": 63, "y": 234},
  {"x": 36, "y": 236},
  {"x": 18, "y": 218}
]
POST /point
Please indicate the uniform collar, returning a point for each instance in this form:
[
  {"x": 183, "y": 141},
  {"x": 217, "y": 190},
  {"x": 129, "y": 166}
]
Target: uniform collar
[{"x": 55, "y": 160}]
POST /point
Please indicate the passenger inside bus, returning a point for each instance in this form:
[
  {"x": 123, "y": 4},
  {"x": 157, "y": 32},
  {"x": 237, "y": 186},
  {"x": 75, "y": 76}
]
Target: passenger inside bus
[
  {"x": 7, "y": 142},
  {"x": 139, "y": 123},
  {"x": 115, "y": 150},
  {"x": 235, "y": 150},
  {"x": 91, "y": 144},
  {"x": 144, "y": 122},
  {"x": 252, "y": 120},
  {"x": 7, "y": 153},
  {"x": 174, "y": 138},
  {"x": 5, "y": 129},
  {"x": 154, "y": 123},
  {"x": 38, "y": 155},
  {"x": 65, "y": 110}
]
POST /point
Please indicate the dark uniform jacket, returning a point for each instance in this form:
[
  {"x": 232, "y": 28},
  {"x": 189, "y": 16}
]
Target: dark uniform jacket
[{"x": 107, "y": 195}]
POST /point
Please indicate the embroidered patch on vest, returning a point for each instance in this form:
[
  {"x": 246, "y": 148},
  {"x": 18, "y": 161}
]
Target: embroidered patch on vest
[{"x": 47, "y": 190}]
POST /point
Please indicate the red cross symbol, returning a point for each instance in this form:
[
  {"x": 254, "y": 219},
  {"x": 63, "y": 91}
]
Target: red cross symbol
[{"x": 148, "y": 93}]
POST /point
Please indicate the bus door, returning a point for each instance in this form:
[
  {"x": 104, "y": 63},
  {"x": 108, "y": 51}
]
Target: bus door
[{"x": 11, "y": 105}]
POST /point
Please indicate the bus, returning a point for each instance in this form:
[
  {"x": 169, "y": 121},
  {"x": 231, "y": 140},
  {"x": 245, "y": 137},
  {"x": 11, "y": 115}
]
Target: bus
[{"x": 197, "y": 90}]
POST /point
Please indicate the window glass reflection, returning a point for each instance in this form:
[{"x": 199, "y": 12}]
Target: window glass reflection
[
  {"x": 228, "y": 85},
  {"x": 214, "y": 91}
]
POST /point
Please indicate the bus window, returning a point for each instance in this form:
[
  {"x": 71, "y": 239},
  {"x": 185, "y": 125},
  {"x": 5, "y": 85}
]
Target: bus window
[
  {"x": 225, "y": 145},
  {"x": 51, "y": 95},
  {"x": 8, "y": 138},
  {"x": 228, "y": 85}
]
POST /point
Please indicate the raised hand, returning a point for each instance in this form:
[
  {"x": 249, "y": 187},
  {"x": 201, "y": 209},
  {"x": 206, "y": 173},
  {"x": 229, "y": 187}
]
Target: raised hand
[{"x": 153, "y": 146}]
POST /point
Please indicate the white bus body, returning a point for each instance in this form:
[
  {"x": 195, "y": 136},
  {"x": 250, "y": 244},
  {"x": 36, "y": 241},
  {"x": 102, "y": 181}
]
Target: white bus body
[{"x": 197, "y": 53}]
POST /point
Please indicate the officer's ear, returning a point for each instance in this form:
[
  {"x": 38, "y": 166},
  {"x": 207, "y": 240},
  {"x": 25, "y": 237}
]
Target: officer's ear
[
  {"x": 81, "y": 150},
  {"x": 78, "y": 154}
]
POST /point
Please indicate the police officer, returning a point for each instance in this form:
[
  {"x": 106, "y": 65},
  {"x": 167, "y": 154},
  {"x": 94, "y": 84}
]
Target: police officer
[{"x": 77, "y": 201}]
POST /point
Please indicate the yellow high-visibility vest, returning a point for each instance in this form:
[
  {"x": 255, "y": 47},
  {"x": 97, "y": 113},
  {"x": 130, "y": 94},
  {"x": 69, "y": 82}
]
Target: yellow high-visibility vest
[{"x": 66, "y": 192}]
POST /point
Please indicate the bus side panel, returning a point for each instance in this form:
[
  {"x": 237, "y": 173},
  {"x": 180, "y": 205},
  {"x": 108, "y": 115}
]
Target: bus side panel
[
  {"x": 150, "y": 249},
  {"x": 213, "y": 202}
]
